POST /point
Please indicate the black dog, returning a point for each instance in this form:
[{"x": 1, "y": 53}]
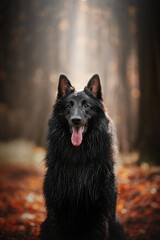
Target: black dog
[{"x": 80, "y": 185}]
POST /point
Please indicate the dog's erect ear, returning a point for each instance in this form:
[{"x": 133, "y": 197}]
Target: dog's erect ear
[
  {"x": 64, "y": 86},
  {"x": 94, "y": 86}
]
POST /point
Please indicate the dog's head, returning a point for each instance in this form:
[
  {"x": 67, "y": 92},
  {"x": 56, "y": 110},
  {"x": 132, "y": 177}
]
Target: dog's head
[{"x": 79, "y": 108}]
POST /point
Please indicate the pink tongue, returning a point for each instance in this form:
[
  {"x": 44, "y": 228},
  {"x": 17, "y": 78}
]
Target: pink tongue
[{"x": 77, "y": 136}]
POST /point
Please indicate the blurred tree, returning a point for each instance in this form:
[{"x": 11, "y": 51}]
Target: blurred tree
[
  {"x": 149, "y": 70},
  {"x": 122, "y": 19},
  {"x": 27, "y": 64}
]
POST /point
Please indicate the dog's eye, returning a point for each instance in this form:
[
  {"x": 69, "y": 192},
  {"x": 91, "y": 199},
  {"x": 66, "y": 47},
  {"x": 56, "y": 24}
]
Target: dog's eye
[
  {"x": 85, "y": 104},
  {"x": 70, "y": 104}
]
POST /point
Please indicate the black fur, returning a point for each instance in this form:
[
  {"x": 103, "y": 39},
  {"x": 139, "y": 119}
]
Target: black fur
[{"x": 80, "y": 185}]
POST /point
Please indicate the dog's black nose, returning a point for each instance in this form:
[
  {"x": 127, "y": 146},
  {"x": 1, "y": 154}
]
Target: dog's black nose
[{"x": 76, "y": 120}]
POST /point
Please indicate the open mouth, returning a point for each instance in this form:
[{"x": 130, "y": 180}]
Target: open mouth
[{"x": 77, "y": 134}]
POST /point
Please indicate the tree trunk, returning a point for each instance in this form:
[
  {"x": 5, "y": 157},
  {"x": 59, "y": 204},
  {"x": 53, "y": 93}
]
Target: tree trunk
[{"x": 149, "y": 69}]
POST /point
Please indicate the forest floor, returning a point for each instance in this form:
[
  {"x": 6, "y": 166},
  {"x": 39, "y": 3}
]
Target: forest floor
[{"x": 22, "y": 205}]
